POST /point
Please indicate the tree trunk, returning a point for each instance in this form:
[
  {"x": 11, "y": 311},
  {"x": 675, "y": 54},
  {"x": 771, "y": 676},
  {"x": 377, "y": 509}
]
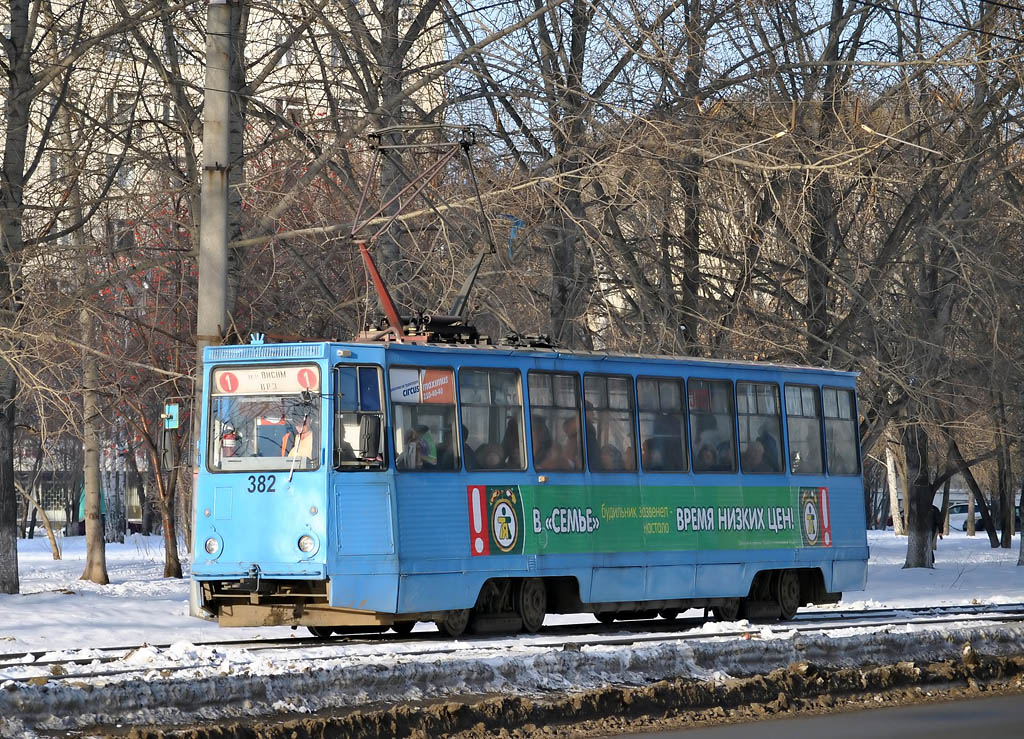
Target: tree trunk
[
  {"x": 146, "y": 525},
  {"x": 115, "y": 492},
  {"x": 571, "y": 267},
  {"x": 919, "y": 496},
  {"x": 54, "y": 547},
  {"x": 1004, "y": 474},
  {"x": 166, "y": 489},
  {"x": 394, "y": 267},
  {"x": 8, "y": 505},
  {"x": 172, "y": 563},
  {"x": 95, "y": 547},
  {"x": 978, "y": 499},
  {"x": 1020, "y": 395},
  {"x": 894, "y": 495},
  {"x": 18, "y": 52},
  {"x": 971, "y": 531},
  {"x": 945, "y": 509},
  {"x": 1020, "y": 553},
  {"x": 239, "y": 106}
]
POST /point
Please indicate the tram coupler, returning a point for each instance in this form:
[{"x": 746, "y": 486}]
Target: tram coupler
[{"x": 254, "y": 583}]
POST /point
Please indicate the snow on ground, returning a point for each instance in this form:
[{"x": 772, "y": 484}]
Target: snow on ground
[{"x": 62, "y": 615}]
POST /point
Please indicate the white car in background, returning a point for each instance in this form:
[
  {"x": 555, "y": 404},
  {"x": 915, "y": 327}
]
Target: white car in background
[{"x": 958, "y": 518}]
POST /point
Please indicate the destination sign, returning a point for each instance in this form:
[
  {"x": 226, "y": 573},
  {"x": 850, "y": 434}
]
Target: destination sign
[{"x": 265, "y": 380}]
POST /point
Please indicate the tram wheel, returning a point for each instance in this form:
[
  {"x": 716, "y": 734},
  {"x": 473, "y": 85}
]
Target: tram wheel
[
  {"x": 605, "y": 617},
  {"x": 727, "y": 611},
  {"x": 403, "y": 627},
  {"x": 669, "y": 614},
  {"x": 320, "y": 632},
  {"x": 532, "y": 604},
  {"x": 787, "y": 593},
  {"x": 454, "y": 622}
]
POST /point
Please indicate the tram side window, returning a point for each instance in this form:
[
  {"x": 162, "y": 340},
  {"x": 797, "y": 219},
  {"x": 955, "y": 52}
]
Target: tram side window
[
  {"x": 358, "y": 419},
  {"x": 803, "y": 426},
  {"x": 840, "y": 431},
  {"x": 491, "y": 403},
  {"x": 711, "y": 417},
  {"x": 662, "y": 424},
  {"x": 423, "y": 403},
  {"x": 555, "y": 421},
  {"x": 611, "y": 439},
  {"x": 760, "y": 419}
]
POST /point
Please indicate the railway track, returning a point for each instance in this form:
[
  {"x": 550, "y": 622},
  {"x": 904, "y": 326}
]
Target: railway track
[{"x": 35, "y": 666}]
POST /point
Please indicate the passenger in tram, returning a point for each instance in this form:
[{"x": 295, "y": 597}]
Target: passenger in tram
[
  {"x": 468, "y": 452},
  {"x": 409, "y": 459},
  {"x": 629, "y": 459},
  {"x": 592, "y": 443},
  {"x": 547, "y": 455},
  {"x": 446, "y": 451},
  {"x": 420, "y": 450},
  {"x": 298, "y": 442},
  {"x": 651, "y": 454},
  {"x": 427, "y": 445},
  {"x": 771, "y": 449},
  {"x": 707, "y": 460},
  {"x": 570, "y": 443},
  {"x": 611, "y": 459},
  {"x": 489, "y": 457},
  {"x": 572, "y": 447},
  {"x": 754, "y": 459},
  {"x": 669, "y": 440},
  {"x": 510, "y": 446}
]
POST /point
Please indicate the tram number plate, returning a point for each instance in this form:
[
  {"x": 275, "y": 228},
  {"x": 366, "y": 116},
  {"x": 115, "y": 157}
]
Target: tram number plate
[{"x": 262, "y": 483}]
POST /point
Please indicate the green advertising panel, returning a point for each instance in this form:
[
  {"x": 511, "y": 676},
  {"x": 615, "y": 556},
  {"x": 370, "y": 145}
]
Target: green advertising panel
[{"x": 563, "y": 519}]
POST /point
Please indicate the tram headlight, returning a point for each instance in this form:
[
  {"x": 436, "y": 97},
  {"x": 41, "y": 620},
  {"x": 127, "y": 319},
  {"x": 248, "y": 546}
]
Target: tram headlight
[
  {"x": 212, "y": 546},
  {"x": 307, "y": 544}
]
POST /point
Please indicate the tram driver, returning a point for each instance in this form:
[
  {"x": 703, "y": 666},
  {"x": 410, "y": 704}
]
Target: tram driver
[{"x": 298, "y": 441}]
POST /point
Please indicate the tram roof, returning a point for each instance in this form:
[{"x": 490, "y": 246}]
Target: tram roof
[{"x": 317, "y": 350}]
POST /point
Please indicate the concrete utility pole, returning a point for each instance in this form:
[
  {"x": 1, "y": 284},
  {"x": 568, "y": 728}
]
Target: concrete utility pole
[{"x": 211, "y": 320}]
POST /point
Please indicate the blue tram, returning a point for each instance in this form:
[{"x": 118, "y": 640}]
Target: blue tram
[{"x": 379, "y": 484}]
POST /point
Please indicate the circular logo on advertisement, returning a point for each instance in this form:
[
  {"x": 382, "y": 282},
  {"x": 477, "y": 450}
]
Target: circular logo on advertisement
[
  {"x": 505, "y": 526},
  {"x": 810, "y": 521}
]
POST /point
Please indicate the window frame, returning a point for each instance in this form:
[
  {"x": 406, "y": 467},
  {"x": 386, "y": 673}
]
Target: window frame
[
  {"x": 393, "y": 404},
  {"x": 852, "y": 420},
  {"x": 779, "y": 398},
  {"x": 684, "y": 409},
  {"x": 523, "y": 465},
  {"x": 821, "y": 428},
  {"x": 631, "y": 382},
  {"x": 735, "y": 468},
  {"x": 579, "y": 415},
  {"x": 382, "y": 414}
]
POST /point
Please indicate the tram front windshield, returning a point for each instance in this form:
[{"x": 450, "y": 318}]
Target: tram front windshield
[{"x": 263, "y": 431}]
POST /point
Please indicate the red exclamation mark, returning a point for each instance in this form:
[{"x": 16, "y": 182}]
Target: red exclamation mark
[
  {"x": 479, "y": 541},
  {"x": 826, "y": 520}
]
